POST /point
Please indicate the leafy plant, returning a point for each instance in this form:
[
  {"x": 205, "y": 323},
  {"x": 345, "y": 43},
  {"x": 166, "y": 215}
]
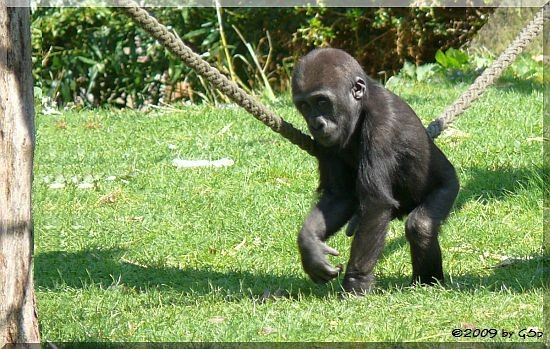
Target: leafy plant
[
  {"x": 527, "y": 68},
  {"x": 424, "y": 72},
  {"x": 452, "y": 58},
  {"x": 457, "y": 65}
]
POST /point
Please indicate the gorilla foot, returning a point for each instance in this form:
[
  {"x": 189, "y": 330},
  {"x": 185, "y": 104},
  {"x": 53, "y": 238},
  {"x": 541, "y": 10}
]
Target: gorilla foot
[
  {"x": 358, "y": 285},
  {"x": 428, "y": 280}
]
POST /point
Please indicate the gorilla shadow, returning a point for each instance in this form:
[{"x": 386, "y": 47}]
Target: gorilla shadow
[
  {"x": 107, "y": 267},
  {"x": 104, "y": 268},
  {"x": 486, "y": 185},
  {"x": 517, "y": 276}
]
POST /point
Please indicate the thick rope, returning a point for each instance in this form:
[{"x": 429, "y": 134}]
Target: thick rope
[
  {"x": 490, "y": 74},
  {"x": 213, "y": 75}
]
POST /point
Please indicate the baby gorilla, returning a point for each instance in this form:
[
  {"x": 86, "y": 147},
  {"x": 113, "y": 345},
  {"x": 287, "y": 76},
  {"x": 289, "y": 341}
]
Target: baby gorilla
[{"x": 376, "y": 163}]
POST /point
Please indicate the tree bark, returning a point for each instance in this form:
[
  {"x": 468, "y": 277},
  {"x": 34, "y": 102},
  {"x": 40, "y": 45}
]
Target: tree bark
[{"x": 18, "y": 318}]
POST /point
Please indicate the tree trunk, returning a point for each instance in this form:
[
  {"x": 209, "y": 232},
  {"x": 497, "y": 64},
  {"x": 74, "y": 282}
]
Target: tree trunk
[{"x": 18, "y": 319}]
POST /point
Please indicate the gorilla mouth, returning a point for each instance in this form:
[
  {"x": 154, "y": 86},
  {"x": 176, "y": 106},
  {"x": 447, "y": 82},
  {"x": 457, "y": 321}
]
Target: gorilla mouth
[{"x": 322, "y": 137}]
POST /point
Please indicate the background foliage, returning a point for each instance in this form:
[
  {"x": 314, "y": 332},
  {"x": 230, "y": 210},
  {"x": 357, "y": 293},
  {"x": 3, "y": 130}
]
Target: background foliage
[{"x": 108, "y": 60}]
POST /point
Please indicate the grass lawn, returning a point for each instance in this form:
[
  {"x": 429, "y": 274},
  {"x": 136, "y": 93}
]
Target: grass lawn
[{"x": 130, "y": 248}]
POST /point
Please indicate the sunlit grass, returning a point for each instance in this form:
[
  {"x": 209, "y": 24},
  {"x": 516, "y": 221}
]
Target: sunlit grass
[{"x": 150, "y": 252}]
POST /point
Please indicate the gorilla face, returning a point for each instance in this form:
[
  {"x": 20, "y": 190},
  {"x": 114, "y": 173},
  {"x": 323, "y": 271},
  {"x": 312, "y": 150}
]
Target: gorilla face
[
  {"x": 328, "y": 92},
  {"x": 318, "y": 109}
]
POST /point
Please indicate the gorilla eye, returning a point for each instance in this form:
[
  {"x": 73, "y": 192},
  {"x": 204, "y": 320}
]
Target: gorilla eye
[{"x": 323, "y": 101}]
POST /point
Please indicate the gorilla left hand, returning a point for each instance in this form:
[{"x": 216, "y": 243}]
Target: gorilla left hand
[{"x": 314, "y": 260}]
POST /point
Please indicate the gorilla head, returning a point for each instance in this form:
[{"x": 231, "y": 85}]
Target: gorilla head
[{"x": 328, "y": 88}]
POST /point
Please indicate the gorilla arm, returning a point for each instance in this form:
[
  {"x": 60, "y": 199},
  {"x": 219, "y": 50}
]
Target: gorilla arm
[
  {"x": 326, "y": 218},
  {"x": 332, "y": 211}
]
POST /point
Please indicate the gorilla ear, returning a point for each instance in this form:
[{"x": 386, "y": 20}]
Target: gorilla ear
[{"x": 358, "y": 90}]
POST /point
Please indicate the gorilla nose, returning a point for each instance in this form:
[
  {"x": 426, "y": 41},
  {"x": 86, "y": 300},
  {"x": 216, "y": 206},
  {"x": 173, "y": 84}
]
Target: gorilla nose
[{"x": 318, "y": 123}]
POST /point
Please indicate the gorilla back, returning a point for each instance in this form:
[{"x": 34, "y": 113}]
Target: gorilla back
[{"x": 376, "y": 163}]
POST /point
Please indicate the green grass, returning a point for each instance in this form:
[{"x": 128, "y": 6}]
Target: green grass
[{"x": 165, "y": 254}]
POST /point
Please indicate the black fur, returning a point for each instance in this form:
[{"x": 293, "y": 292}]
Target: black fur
[{"x": 376, "y": 163}]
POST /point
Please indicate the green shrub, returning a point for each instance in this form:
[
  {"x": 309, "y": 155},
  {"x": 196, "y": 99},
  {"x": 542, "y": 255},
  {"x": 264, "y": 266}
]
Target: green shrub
[
  {"x": 458, "y": 66},
  {"x": 96, "y": 56}
]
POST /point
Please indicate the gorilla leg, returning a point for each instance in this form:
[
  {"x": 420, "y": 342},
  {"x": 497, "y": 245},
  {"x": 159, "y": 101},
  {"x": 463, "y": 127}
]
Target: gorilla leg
[
  {"x": 366, "y": 248},
  {"x": 422, "y": 230}
]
